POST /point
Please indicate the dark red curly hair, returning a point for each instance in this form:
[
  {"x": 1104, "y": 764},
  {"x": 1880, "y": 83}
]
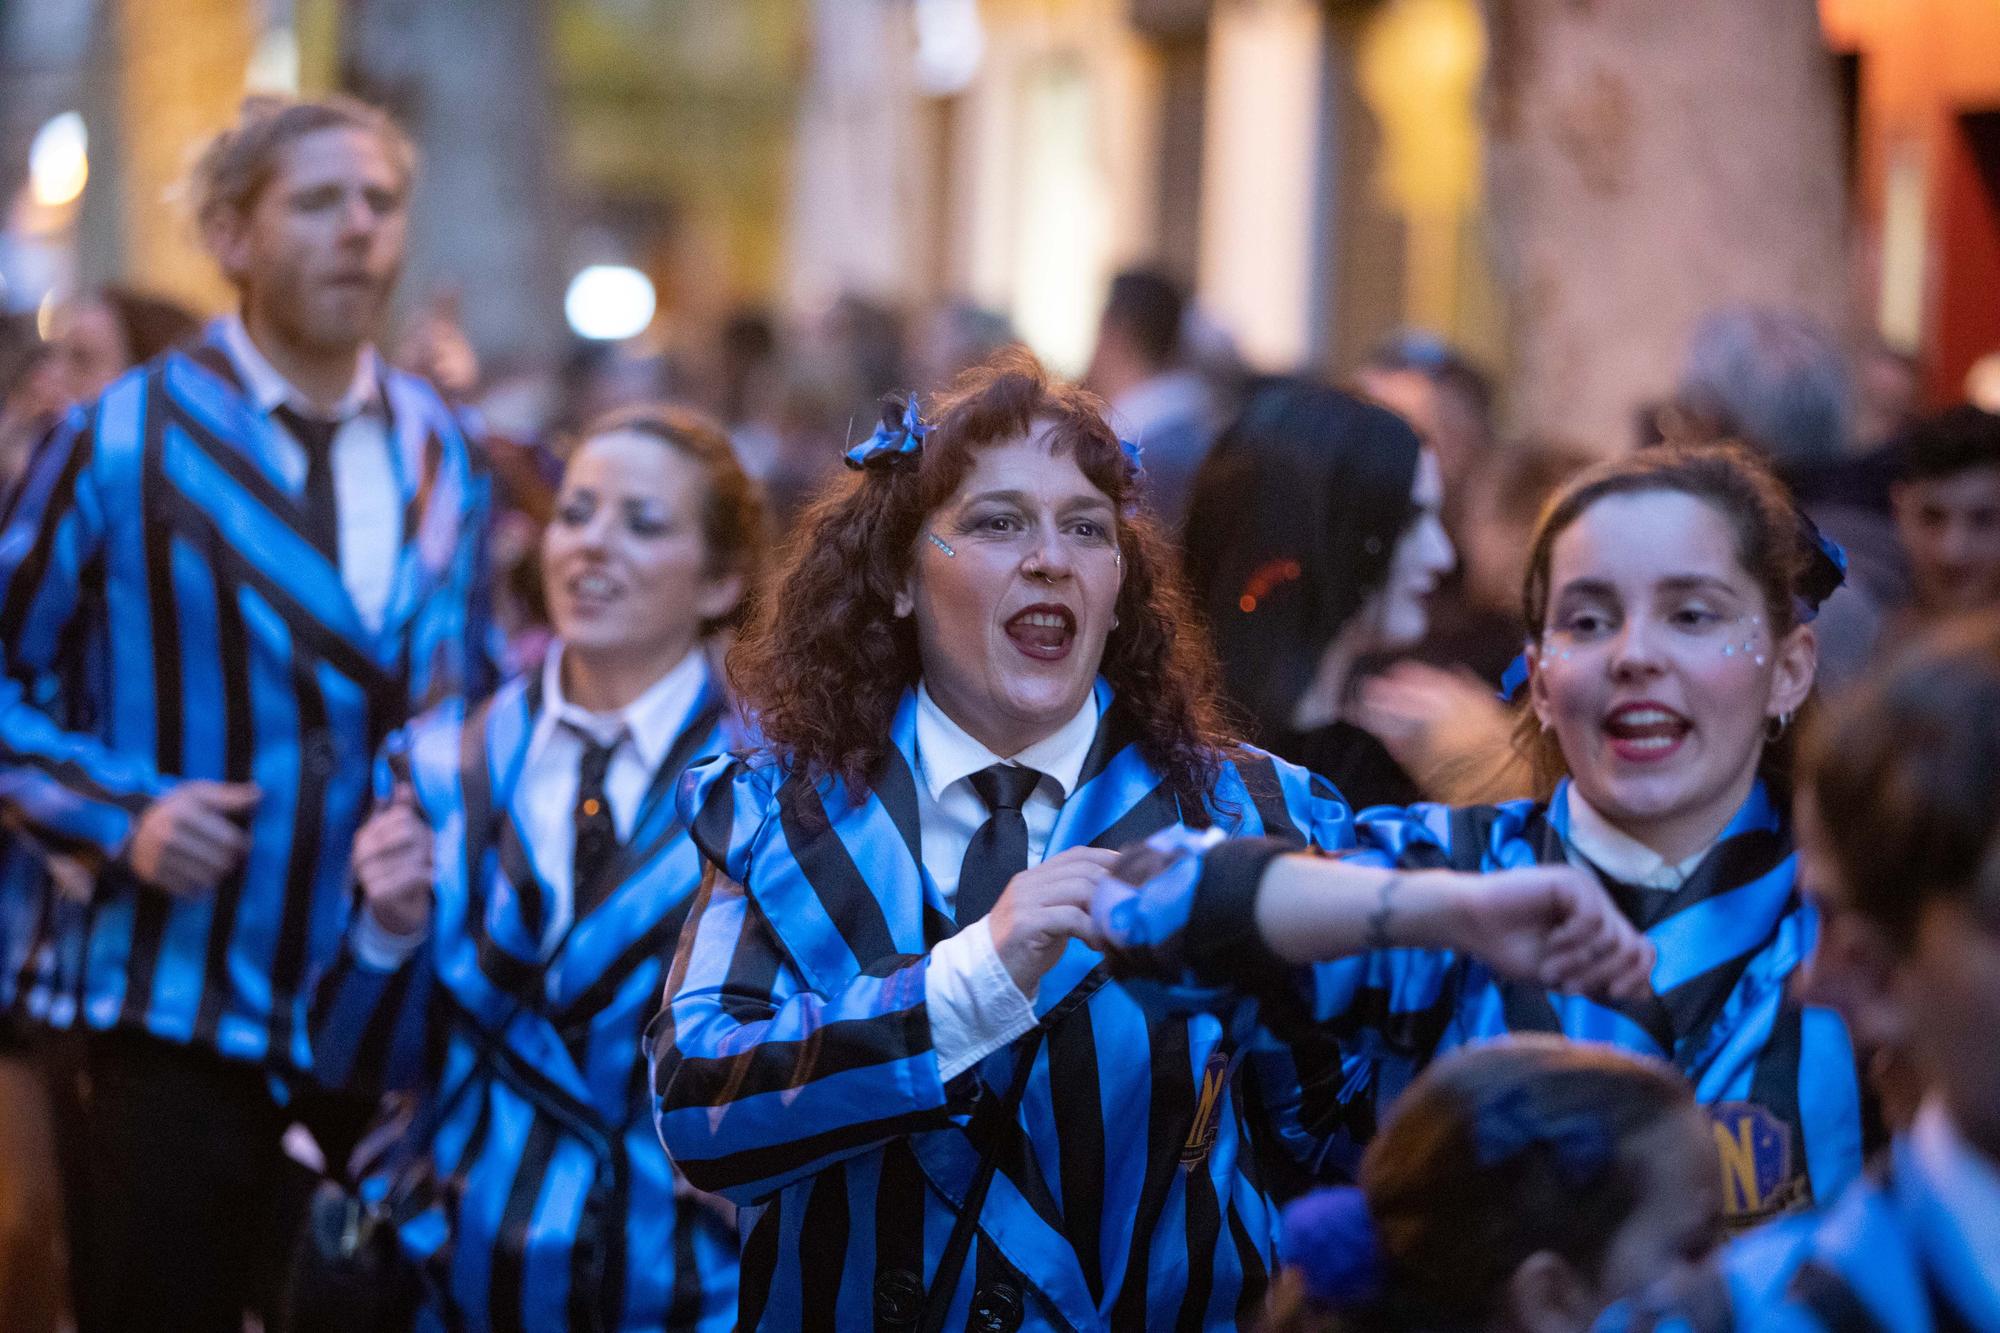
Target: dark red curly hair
[{"x": 825, "y": 659}]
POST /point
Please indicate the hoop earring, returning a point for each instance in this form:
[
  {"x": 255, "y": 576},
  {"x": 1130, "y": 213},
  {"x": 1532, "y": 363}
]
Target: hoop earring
[{"x": 1775, "y": 728}]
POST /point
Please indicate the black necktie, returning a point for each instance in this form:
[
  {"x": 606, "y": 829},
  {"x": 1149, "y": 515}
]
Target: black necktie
[
  {"x": 319, "y": 506},
  {"x": 596, "y": 834},
  {"x": 999, "y": 848}
]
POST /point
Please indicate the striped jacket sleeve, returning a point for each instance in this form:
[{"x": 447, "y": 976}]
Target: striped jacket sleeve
[
  {"x": 74, "y": 793},
  {"x": 371, "y": 1024},
  {"x": 758, "y": 1079}
]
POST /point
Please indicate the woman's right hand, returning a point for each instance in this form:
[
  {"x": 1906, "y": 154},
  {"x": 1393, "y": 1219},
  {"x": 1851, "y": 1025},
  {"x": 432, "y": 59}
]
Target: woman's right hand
[
  {"x": 392, "y": 861},
  {"x": 1554, "y": 925},
  {"x": 1045, "y": 907}
]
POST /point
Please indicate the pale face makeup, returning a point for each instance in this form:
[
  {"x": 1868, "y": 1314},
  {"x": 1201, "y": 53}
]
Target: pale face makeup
[
  {"x": 1014, "y": 588},
  {"x": 1400, "y": 610}
]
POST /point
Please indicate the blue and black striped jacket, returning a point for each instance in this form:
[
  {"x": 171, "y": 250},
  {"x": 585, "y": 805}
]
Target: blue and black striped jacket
[
  {"x": 794, "y": 1071},
  {"x": 534, "y": 1193},
  {"x": 1778, "y": 1078},
  {"x": 162, "y": 617}
]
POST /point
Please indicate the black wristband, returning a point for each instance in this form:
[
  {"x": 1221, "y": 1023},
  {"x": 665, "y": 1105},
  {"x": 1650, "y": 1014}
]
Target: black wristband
[{"x": 1223, "y": 943}]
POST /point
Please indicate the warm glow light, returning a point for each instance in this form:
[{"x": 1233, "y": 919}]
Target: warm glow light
[
  {"x": 59, "y": 161},
  {"x": 609, "y": 302},
  {"x": 950, "y": 44}
]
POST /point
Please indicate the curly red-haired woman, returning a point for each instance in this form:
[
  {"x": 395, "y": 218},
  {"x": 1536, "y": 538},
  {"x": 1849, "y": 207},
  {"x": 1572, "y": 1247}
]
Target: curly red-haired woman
[{"x": 887, "y": 1033}]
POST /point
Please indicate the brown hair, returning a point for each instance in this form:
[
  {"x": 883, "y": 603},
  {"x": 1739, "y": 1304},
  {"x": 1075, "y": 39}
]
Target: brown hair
[
  {"x": 734, "y": 526},
  {"x": 1732, "y": 481},
  {"x": 236, "y": 165},
  {"x": 826, "y": 664},
  {"x": 1905, "y": 776},
  {"x": 1496, "y": 1153}
]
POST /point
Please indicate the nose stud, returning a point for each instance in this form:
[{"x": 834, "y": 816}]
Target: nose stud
[{"x": 939, "y": 542}]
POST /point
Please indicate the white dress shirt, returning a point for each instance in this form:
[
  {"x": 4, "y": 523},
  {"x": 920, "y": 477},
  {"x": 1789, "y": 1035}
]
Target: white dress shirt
[
  {"x": 364, "y": 469},
  {"x": 1619, "y": 854},
  {"x": 544, "y": 798},
  {"x": 975, "y": 1007}
]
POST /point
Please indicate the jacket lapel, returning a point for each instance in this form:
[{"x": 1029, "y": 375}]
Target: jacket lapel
[
  {"x": 644, "y": 891},
  {"x": 219, "y": 452},
  {"x": 433, "y": 494}
]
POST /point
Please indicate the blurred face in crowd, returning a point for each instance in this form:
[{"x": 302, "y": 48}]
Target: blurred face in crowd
[
  {"x": 92, "y": 351},
  {"x": 1950, "y": 528},
  {"x": 1400, "y": 611},
  {"x": 1923, "y": 1017},
  {"x": 1012, "y": 625},
  {"x": 1678, "y": 1220},
  {"x": 317, "y": 253},
  {"x": 1657, "y": 668},
  {"x": 626, "y": 567}
]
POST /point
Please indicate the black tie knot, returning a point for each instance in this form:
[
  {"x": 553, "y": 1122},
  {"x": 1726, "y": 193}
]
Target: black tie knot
[
  {"x": 1005, "y": 786},
  {"x": 314, "y": 434}
]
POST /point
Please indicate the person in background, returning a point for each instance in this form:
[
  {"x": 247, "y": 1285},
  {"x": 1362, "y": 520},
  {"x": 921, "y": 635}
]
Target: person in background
[
  {"x": 1779, "y": 382},
  {"x": 976, "y": 677},
  {"x": 1517, "y": 1187},
  {"x": 1436, "y": 710},
  {"x": 1313, "y": 545},
  {"x": 1947, "y": 507},
  {"x": 1668, "y": 595},
  {"x": 1157, "y": 401},
  {"x": 519, "y": 916},
  {"x": 1899, "y": 822},
  {"x": 31, "y": 393},
  {"x": 105, "y": 334},
  {"x": 957, "y": 336},
  {"x": 258, "y": 547},
  {"x": 1446, "y": 399}
]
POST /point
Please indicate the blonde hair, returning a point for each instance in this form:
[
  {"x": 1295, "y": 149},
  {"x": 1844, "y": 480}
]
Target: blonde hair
[{"x": 236, "y": 165}]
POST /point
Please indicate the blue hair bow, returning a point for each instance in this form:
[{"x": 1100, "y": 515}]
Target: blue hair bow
[
  {"x": 1580, "y": 1143},
  {"x": 892, "y": 440},
  {"x": 1132, "y": 456},
  {"x": 1826, "y": 570}
]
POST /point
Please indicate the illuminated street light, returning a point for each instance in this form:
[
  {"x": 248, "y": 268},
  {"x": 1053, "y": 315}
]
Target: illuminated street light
[
  {"x": 59, "y": 161},
  {"x": 609, "y": 302}
]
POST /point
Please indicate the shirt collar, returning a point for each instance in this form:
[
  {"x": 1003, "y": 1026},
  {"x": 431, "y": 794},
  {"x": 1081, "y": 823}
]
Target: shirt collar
[
  {"x": 947, "y": 752},
  {"x": 651, "y": 721},
  {"x": 1619, "y": 854},
  {"x": 269, "y": 388}
]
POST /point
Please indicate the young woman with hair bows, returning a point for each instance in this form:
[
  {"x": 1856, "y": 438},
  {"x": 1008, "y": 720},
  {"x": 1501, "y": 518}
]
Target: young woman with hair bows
[
  {"x": 887, "y": 1035},
  {"x": 1666, "y": 594},
  {"x": 522, "y": 890}
]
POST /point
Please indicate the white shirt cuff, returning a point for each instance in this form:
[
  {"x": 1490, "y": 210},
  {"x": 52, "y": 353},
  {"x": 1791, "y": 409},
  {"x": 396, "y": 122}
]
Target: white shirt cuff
[
  {"x": 975, "y": 1007},
  {"x": 378, "y": 947}
]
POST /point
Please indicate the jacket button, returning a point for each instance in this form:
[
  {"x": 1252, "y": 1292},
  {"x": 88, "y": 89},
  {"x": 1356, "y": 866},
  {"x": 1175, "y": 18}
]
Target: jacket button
[
  {"x": 996, "y": 1309},
  {"x": 899, "y": 1299}
]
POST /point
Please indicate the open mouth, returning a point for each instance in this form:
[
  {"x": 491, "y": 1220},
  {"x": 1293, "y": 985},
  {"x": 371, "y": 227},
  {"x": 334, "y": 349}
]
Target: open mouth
[
  {"x": 1645, "y": 732},
  {"x": 591, "y": 590},
  {"x": 1043, "y": 631}
]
